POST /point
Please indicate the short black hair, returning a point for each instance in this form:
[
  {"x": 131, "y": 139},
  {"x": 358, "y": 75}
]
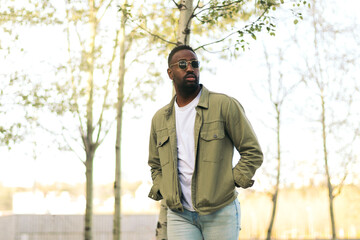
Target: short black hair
[{"x": 178, "y": 48}]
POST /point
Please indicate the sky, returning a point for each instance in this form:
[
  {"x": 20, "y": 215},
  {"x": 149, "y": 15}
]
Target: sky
[{"x": 235, "y": 77}]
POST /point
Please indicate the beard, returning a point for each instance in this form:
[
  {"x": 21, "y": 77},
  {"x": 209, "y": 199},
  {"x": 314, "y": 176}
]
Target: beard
[{"x": 188, "y": 87}]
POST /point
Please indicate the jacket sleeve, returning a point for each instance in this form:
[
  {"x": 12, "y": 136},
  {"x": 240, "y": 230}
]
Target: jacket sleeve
[
  {"x": 154, "y": 163},
  {"x": 245, "y": 141}
]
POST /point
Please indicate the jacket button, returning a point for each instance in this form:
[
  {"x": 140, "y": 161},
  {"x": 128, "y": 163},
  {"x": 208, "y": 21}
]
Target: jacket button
[
  {"x": 215, "y": 136},
  {"x": 159, "y": 143}
]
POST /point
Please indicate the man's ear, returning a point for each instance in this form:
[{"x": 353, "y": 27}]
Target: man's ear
[{"x": 170, "y": 73}]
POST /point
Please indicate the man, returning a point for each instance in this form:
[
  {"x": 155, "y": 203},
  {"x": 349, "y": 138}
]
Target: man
[{"x": 191, "y": 148}]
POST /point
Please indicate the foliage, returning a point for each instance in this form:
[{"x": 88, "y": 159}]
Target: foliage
[
  {"x": 18, "y": 103},
  {"x": 30, "y": 12},
  {"x": 20, "y": 93},
  {"x": 214, "y": 23}
]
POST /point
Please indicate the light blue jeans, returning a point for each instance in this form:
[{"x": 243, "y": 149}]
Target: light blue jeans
[{"x": 223, "y": 224}]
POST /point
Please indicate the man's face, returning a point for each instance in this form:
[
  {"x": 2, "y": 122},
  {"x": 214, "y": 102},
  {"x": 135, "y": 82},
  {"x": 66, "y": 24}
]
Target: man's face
[{"x": 185, "y": 80}]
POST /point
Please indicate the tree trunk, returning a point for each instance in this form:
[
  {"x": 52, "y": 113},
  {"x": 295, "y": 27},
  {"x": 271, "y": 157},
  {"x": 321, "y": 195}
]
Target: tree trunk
[
  {"x": 186, "y": 12},
  {"x": 120, "y": 104},
  {"x": 89, "y": 194},
  {"x": 320, "y": 83},
  {"x": 88, "y": 139},
  {"x": 161, "y": 228},
  {"x": 276, "y": 193},
  {"x": 328, "y": 177}
]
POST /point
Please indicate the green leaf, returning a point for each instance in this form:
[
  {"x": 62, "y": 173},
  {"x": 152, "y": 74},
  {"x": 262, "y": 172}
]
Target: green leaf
[{"x": 296, "y": 21}]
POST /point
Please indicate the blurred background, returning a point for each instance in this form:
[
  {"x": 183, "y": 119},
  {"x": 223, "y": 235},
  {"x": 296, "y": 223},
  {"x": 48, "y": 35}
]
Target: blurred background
[{"x": 81, "y": 80}]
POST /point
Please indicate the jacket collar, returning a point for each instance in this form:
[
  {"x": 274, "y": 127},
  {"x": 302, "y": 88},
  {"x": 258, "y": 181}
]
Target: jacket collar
[
  {"x": 204, "y": 98},
  {"x": 203, "y": 102}
]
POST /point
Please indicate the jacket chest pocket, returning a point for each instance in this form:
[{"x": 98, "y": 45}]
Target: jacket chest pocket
[
  {"x": 209, "y": 136},
  {"x": 212, "y": 138},
  {"x": 163, "y": 147}
]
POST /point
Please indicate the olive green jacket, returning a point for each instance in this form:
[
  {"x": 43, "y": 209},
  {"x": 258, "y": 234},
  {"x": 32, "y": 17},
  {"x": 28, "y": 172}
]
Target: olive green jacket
[{"x": 220, "y": 125}]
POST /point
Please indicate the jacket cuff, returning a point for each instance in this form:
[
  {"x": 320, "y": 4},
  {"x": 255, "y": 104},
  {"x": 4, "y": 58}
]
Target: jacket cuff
[
  {"x": 155, "y": 193},
  {"x": 243, "y": 181}
]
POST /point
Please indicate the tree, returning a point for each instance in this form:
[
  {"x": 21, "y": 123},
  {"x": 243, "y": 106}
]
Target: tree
[
  {"x": 327, "y": 72},
  {"x": 279, "y": 89},
  {"x": 119, "y": 108},
  {"x": 80, "y": 83},
  {"x": 87, "y": 91},
  {"x": 128, "y": 36}
]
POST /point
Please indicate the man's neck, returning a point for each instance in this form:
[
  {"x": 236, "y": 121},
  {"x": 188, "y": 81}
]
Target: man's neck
[{"x": 183, "y": 99}]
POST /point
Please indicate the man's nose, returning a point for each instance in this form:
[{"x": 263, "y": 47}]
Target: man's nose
[{"x": 189, "y": 67}]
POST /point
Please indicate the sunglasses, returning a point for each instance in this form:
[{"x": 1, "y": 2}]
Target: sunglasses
[{"x": 183, "y": 64}]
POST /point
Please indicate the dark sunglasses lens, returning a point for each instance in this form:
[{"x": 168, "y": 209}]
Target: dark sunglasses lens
[
  {"x": 195, "y": 64},
  {"x": 182, "y": 64}
]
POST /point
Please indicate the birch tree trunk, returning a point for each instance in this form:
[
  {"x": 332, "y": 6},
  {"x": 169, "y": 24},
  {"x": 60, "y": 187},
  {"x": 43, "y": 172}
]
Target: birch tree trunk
[
  {"x": 327, "y": 172},
  {"x": 117, "y": 184},
  {"x": 90, "y": 147},
  {"x": 186, "y": 12},
  {"x": 276, "y": 193},
  {"x": 278, "y": 93},
  {"x": 120, "y": 105},
  {"x": 89, "y": 190},
  {"x": 321, "y": 83},
  {"x": 161, "y": 228}
]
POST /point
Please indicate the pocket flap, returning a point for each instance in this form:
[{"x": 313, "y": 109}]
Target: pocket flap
[
  {"x": 212, "y": 135},
  {"x": 162, "y": 140}
]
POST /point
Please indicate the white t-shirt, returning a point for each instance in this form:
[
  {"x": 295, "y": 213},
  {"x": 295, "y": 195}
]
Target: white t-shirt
[{"x": 185, "y": 123}]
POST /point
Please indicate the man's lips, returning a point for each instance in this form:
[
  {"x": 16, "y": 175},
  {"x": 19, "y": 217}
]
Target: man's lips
[{"x": 190, "y": 77}]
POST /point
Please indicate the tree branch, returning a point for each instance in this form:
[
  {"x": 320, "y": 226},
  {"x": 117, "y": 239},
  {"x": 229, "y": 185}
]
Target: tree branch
[
  {"x": 217, "y": 7},
  {"x": 99, "y": 123},
  {"x": 237, "y": 31},
  {"x": 74, "y": 89},
  {"x": 153, "y": 34},
  {"x": 105, "y": 134},
  {"x": 106, "y": 8},
  {"x": 211, "y": 43},
  {"x": 177, "y": 5}
]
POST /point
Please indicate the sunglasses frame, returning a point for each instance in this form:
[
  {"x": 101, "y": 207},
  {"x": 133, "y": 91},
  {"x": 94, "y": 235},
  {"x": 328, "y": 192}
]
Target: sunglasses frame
[{"x": 186, "y": 64}]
